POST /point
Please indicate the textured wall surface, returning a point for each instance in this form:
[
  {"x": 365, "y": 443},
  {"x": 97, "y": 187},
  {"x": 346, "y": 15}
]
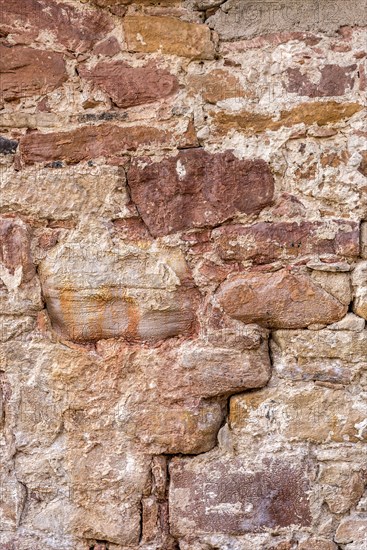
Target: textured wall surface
[{"x": 183, "y": 275}]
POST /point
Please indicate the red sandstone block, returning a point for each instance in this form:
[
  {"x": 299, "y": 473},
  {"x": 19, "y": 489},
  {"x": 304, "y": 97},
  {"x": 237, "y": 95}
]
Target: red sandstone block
[
  {"x": 198, "y": 189},
  {"x": 26, "y": 72},
  {"x": 72, "y": 28},
  {"x": 266, "y": 242},
  {"x": 128, "y": 86}
]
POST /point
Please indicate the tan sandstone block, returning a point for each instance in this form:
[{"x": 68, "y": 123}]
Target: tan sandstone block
[{"x": 168, "y": 36}]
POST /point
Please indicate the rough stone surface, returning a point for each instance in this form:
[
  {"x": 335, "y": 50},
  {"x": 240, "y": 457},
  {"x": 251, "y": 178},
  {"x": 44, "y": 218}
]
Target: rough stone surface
[
  {"x": 129, "y": 293},
  {"x": 225, "y": 498},
  {"x": 65, "y": 25},
  {"x": 267, "y": 242},
  {"x": 169, "y": 36},
  {"x": 265, "y": 17},
  {"x": 183, "y": 233},
  {"x": 128, "y": 86},
  {"x": 279, "y": 300},
  {"x": 28, "y": 72},
  {"x": 186, "y": 191},
  {"x": 88, "y": 142}
]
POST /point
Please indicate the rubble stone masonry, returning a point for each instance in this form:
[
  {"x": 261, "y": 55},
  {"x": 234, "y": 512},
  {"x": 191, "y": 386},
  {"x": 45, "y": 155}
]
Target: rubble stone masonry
[{"x": 183, "y": 275}]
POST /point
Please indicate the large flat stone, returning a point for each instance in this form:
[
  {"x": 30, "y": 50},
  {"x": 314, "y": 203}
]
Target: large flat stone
[
  {"x": 198, "y": 189},
  {"x": 279, "y": 300},
  {"x": 229, "y": 496},
  {"x": 131, "y": 293}
]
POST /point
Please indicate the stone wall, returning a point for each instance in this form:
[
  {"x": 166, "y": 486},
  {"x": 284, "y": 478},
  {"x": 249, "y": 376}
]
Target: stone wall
[{"x": 183, "y": 275}]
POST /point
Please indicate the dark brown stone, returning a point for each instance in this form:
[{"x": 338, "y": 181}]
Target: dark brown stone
[
  {"x": 75, "y": 29},
  {"x": 26, "y": 72},
  {"x": 7, "y": 146},
  {"x": 224, "y": 497},
  {"x": 266, "y": 242},
  {"x": 128, "y": 86},
  {"x": 279, "y": 300},
  {"x": 88, "y": 142},
  {"x": 334, "y": 81},
  {"x": 197, "y": 189}
]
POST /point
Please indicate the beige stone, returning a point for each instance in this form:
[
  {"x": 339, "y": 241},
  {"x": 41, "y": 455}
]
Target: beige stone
[
  {"x": 308, "y": 413},
  {"x": 364, "y": 240},
  {"x": 130, "y": 292},
  {"x": 352, "y": 529},
  {"x": 359, "y": 281}
]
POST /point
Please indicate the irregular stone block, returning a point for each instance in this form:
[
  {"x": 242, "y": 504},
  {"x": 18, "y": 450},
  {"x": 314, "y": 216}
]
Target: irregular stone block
[
  {"x": 227, "y": 496},
  {"x": 278, "y": 300},
  {"x": 66, "y": 193},
  {"x": 74, "y": 29},
  {"x": 266, "y": 242},
  {"x": 88, "y": 142},
  {"x": 359, "y": 282},
  {"x": 218, "y": 85},
  {"x": 321, "y": 113},
  {"x": 352, "y": 529},
  {"x": 128, "y": 86},
  {"x": 130, "y": 293},
  {"x": 15, "y": 249},
  {"x": 308, "y": 413},
  {"x": 317, "y": 544},
  {"x": 187, "y": 191},
  {"x": 168, "y": 35},
  {"x": 247, "y": 18},
  {"x": 324, "y": 355},
  {"x": 334, "y": 81},
  {"x": 26, "y": 72}
]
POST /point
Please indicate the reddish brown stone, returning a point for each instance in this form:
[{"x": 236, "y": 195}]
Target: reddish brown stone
[
  {"x": 15, "y": 248},
  {"x": 108, "y": 47},
  {"x": 334, "y": 81},
  {"x": 128, "y": 86},
  {"x": 75, "y": 29},
  {"x": 266, "y": 242},
  {"x": 224, "y": 497},
  {"x": 88, "y": 142},
  {"x": 196, "y": 189},
  {"x": 26, "y": 72},
  {"x": 279, "y": 300}
]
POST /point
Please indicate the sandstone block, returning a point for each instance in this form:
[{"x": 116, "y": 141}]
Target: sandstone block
[
  {"x": 334, "y": 81},
  {"x": 278, "y": 300},
  {"x": 321, "y": 113},
  {"x": 26, "y": 72},
  {"x": 352, "y": 529},
  {"x": 266, "y": 242},
  {"x": 309, "y": 413},
  {"x": 222, "y": 496},
  {"x": 15, "y": 249},
  {"x": 128, "y": 293},
  {"x": 364, "y": 240},
  {"x": 218, "y": 85},
  {"x": 324, "y": 355},
  {"x": 88, "y": 142},
  {"x": 128, "y": 86},
  {"x": 187, "y": 191},
  {"x": 359, "y": 282},
  {"x": 74, "y": 29},
  {"x": 168, "y": 35},
  {"x": 63, "y": 194}
]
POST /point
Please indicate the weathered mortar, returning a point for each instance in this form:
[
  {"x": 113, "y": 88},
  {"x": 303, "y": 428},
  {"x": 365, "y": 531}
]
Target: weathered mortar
[{"x": 183, "y": 275}]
